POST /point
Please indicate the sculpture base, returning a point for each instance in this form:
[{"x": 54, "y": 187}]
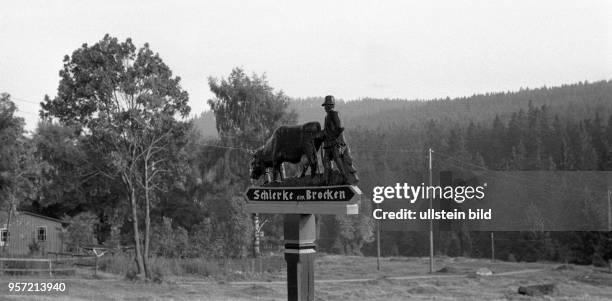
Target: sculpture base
[{"x": 318, "y": 180}]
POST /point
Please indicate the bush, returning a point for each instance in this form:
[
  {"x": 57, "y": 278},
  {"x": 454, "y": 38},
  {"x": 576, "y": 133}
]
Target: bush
[
  {"x": 131, "y": 274},
  {"x": 34, "y": 247},
  {"x": 81, "y": 229},
  {"x": 511, "y": 257},
  {"x": 200, "y": 267},
  {"x": 157, "y": 274},
  {"x": 118, "y": 264},
  {"x": 598, "y": 260},
  {"x": 168, "y": 241}
]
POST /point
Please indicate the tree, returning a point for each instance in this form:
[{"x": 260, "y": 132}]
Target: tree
[
  {"x": 68, "y": 168},
  {"x": 20, "y": 169},
  {"x": 11, "y": 132},
  {"x": 247, "y": 111},
  {"x": 124, "y": 101}
]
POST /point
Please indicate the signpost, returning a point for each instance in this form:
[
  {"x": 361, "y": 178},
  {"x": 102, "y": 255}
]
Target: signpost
[
  {"x": 299, "y": 204},
  {"x": 337, "y": 200}
]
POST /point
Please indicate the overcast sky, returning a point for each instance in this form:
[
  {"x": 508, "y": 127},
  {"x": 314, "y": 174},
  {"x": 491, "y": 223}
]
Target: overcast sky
[{"x": 352, "y": 49}]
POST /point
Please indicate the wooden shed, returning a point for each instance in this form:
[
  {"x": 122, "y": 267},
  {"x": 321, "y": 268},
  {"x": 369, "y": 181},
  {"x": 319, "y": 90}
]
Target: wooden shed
[{"x": 30, "y": 234}]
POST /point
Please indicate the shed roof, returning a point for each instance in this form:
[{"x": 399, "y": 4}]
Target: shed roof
[{"x": 44, "y": 217}]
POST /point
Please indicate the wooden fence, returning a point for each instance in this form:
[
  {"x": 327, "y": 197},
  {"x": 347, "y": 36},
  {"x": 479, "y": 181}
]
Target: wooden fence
[
  {"x": 67, "y": 264},
  {"x": 49, "y": 266}
]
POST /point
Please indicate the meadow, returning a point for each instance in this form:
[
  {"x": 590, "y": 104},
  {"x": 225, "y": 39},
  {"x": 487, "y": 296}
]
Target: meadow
[{"x": 354, "y": 278}]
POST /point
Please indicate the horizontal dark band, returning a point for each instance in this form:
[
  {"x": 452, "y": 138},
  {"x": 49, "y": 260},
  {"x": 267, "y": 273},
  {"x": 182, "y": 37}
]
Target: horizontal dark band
[{"x": 300, "y": 246}]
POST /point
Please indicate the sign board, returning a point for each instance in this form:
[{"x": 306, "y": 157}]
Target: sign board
[{"x": 342, "y": 199}]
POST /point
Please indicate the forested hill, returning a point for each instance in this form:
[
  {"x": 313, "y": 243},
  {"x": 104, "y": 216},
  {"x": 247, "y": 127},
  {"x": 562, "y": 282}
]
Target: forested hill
[{"x": 574, "y": 102}]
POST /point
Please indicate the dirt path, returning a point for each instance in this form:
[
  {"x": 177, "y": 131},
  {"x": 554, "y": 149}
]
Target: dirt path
[{"x": 332, "y": 281}]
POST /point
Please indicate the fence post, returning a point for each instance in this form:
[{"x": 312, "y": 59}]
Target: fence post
[{"x": 96, "y": 269}]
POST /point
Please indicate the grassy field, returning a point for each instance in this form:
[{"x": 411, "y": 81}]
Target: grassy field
[{"x": 356, "y": 278}]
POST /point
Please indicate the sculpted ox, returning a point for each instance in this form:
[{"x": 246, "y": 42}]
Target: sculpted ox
[{"x": 288, "y": 144}]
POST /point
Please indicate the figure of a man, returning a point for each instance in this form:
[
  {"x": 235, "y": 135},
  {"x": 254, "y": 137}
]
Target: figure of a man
[{"x": 334, "y": 146}]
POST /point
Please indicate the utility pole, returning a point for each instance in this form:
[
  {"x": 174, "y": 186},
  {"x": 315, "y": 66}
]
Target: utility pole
[
  {"x": 492, "y": 247},
  {"x": 431, "y": 238},
  {"x": 609, "y": 227},
  {"x": 609, "y": 213},
  {"x": 377, "y": 242}
]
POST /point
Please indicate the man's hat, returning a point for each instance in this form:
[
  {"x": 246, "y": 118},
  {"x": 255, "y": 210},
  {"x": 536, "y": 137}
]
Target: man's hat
[{"x": 329, "y": 100}]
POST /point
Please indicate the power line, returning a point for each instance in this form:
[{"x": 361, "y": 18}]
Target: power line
[
  {"x": 228, "y": 147},
  {"x": 27, "y": 112},
  {"x": 25, "y": 100},
  {"x": 381, "y": 150}
]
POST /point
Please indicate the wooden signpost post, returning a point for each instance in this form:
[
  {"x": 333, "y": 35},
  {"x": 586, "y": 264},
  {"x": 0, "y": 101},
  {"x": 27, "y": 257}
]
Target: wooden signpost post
[{"x": 299, "y": 204}]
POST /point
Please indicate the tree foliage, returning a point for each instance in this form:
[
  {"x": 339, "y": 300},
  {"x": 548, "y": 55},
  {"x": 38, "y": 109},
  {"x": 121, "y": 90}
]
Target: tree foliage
[
  {"x": 247, "y": 109},
  {"x": 124, "y": 101},
  {"x": 81, "y": 230},
  {"x": 20, "y": 169},
  {"x": 112, "y": 141}
]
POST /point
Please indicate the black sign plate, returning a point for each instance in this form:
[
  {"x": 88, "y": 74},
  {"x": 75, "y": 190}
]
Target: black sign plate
[{"x": 343, "y": 193}]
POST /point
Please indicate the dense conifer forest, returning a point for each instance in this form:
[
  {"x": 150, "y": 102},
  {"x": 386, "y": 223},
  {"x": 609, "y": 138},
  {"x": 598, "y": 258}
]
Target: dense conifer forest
[
  {"x": 549, "y": 128},
  {"x": 196, "y": 207}
]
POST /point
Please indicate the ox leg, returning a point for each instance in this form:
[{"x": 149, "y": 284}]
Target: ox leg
[
  {"x": 312, "y": 160},
  {"x": 304, "y": 163},
  {"x": 277, "y": 170},
  {"x": 274, "y": 172},
  {"x": 313, "y": 168},
  {"x": 267, "y": 176},
  {"x": 311, "y": 156},
  {"x": 281, "y": 170}
]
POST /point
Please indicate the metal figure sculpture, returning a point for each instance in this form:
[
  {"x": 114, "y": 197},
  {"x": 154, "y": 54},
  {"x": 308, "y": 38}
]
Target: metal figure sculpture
[
  {"x": 334, "y": 146},
  {"x": 299, "y": 199},
  {"x": 288, "y": 144}
]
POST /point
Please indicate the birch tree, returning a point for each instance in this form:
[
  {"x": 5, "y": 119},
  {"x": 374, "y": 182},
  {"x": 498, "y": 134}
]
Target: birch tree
[{"x": 126, "y": 102}]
